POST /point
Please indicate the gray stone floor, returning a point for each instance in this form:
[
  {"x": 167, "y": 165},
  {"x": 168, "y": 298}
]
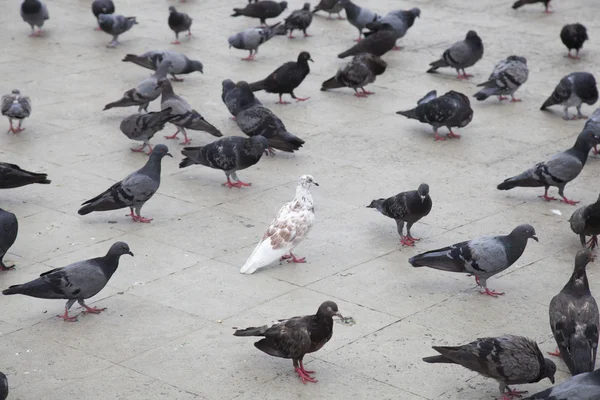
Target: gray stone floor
[{"x": 167, "y": 333}]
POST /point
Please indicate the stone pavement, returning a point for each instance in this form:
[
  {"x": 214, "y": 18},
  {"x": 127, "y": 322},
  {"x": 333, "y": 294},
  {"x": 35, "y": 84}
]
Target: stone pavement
[{"x": 167, "y": 333}]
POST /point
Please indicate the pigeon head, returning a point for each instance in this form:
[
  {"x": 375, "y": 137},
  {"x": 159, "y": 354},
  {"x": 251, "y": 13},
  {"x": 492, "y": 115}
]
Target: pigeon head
[
  {"x": 376, "y": 204},
  {"x": 228, "y": 85},
  {"x": 196, "y": 66},
  {"x": 329, "y": 309},
  {"x": 306, "y": 7},
  {"x": 517, "y": 58},
  {"x": 160, "y": 150},
  {"x": 16, "y": 92},
  {"x": 525, "y": 231},
  {"x": 472, "y": 35},
  {"x": 306, "y": 181},
  {"x": 259, "y": 143},
  {"x": 549, "y": 370},
  {"x": 244, "y": 87},
  {"x": 283, "y": 5},
  {"x": 423, "y": 190},
  {"x": 119, "y": 248},
  {"x": 415, "y": 11},
  {"x": 304, "y": 57},
  {"x": 172, "y": 9},
  {"x": 582, "y": 259}
]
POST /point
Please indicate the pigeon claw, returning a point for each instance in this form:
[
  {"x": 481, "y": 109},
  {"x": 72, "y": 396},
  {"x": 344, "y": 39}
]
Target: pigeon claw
[
  {"x": 302, "y": 98},
  {"x": 6, "y": 268},
  {"x": 237, "y": 184},
  {"x": 292, "y": 258},
  {"x": 554, "y": 353},
  {"x": 453, "y": 135},
  {"x": 304, "y": 376},
  {"x": 93, "y": 310},
  {"x": 501, "y": 98},
  {"x": 592, "y": 243},
  {"x": 547, "y": 198},
  {"x": 139, "y": 218},
  {"x": 406, "y": 241},
  {"x": 438, "y": 137},
  {"x": 65, "y": 317},
  {"x": 511, "y": 393},
  {"x": 567, "y": 201},
  {"x": 491, "y": 293},
  {"x": 513, "y": 100}
]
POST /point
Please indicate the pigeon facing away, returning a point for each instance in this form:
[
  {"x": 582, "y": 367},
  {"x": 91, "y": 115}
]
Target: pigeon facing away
[
  {"x": 574, "y": 320},
  {"x": 330, "y": 7},
  {"x": 509, "y": 359},
  {"x": 262, "y": 10},
  {"x": 585, "y": 221},
  {"x": 580, "y": 387},
  {"x": 179, "y": 22},
  {"x": 15, "y": 106},
  {"x": 229, "y": 154},
  {"x": 453, "y": 109},
  {"x": 505, "y": 80},
  {"x": 401, "y": 21},
  {"x": 461, "y": 55},
  {"x": 573, "y": 36},
  {"x": 34, "y": 12},
  {"x": 295, "y": 337},
  {"x": 572, "y": 91},
  {"x": 377, "y": 43},
  {"x": 3, "y": 387},
  {"x": 181, "y": 64},
  {"x": 76, "y": 282},
  {"x": 359, "y": 72},
  {"x": 359, "y": 17},
  {"x": 483, "y": 257},
  {"x": 299, "y": 19},
  {"x": 251, "y": 38},
  {"x": 286, "y": 78},
  {"x": 12, "y": 176},
  {"x": 102, "y": 7},
  {"x": 406, "y": 207},
  {"x": 521, "y": 3},
  {"x": 235, "y": 99},
  {"x": 558, "y": 170},
  {"x": 288, "y": 229},
  {"x": 115, "y": 25},
  {"x": 143, "y": 127},
  {"x": 133, "y": 191},
  {"x": 9, "y": 228}
]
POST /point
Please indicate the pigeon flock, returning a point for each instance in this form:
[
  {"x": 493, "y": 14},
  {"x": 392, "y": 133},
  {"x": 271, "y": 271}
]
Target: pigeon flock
[{"x": 259, "y": 132}]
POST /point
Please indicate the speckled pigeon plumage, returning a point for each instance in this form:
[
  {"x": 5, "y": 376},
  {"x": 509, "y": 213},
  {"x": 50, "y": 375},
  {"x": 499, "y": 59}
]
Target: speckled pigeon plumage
[
  {"x": 179, "y": 22},
  {"x": 580, "y": 387},
  {"x": 142, "y": 127},
  {"x": 358, "y": 16},
  {"x": 377, "y": 43},
  {"x": 585, "y": 221},
  {"x": 521, "y": 3},
  {"x": 461, "y": 55},
  {"x": 12, "y": 176},
  {"x": 249, "y": 39},
  {"x": 15, "y": 106},
  {"x": 299, "y": 19},
  {"x": 505, "y": 80},
  {"x": 181, "y": 64},
  {"x": 572, "y": 91},
  {"x": 9, "y": 228},
  {"x": 262, "y": 10},
  {"x": 330, "y": 7},
  {"x": 115, "y": 25},
  {"x": 573, "y": 36},
  {"x": 358, "y": 73},
  {"x": 35, "y": 13},
  {"x": 400, "y": 21},
  {"x": 236, "y": 99}
]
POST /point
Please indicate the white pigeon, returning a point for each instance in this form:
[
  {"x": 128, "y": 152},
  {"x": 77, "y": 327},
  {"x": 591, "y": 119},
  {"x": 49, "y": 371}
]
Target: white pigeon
[{"x": 287, "y": 230}]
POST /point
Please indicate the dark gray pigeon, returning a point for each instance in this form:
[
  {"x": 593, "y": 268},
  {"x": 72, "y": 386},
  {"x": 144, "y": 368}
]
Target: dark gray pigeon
[
  {"x": 12, "y": 176},
  {"x": 483, "y": 257},
  {"x": 115, "y": 25},
  {"x": 9, "y": 228},
  {"x": 505, "y": 80},
  {"x": 249, "y": 39},
  {"x": 76, "y": 282},
  {"x": 35, "y": 13},
  {"x": 461, "y": 55},
  {"x": 3, "y": 387},
  {"x": 235, "y": 99},
  {"x": 593, "y": 124},
  {"x": 152, "y": 59},
  {"x": 15, "y": 106},
  {"x": 179, "y": 22},
  {"x": 572, "y": 91},
  {"x": 299, "y": 19},
  {"x": 142, "y": 127},
  {"x": 573, "y": 36},
  {"x": 407, "y": 207},
  {"x": 509, "y": 359},
  {"x": 358, "y": 73},
  {"x": 133, "y": 191},
  {"x": 377, "y": 43},
  {"x": 229, "y": 154},
  {"x": 262, "y": 10},
  {"x": 585, "y": 221},
  {"x": 558, "y": 170},
  {"x": 580, "y": 387},
  {"x": 330, "y": 7},
  {"x": 401, "y": 21},
  {"x": 574, "y": 320},
  {"x": 359, "y": 16},
  {"x": 102, "y": 7},
  {"x": 184, "y": 116},
  {"x": 521, "y": 3},
  {"x": 453, "y": 109}
]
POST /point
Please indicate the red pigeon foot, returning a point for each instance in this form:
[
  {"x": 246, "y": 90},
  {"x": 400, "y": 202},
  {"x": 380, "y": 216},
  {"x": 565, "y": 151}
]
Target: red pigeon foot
[
  {"x": 554, "y": 353},
  {"x": 491, "y": 293},
  {"x": 93, "y": 310}
]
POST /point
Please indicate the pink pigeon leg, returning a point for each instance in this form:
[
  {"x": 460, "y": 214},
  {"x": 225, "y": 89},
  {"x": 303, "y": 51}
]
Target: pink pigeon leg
[
  {"x": 93, "y": 310},
  {"x": 567, "y": 201},
  {"x": 554, "y": 353},
  {"x": 304, "y": 377},
  {"x": 65, "y": 317},
  {"x": 453, "y": 135},
  {"x": 305, "y": 371}
]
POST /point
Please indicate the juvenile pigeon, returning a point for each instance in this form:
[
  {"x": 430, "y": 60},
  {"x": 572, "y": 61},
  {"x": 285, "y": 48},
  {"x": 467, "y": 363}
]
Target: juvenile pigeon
[
  {"x": 573, "y": 36},
  {"x": 295, "y": 337},
  {"x": 115, "y": 25},
  {"x": 142, "y": 127},
  {"x": 152, "y": 59},
  {"x": 580, "y": 387},
  {"x": 102, "y": 7},
  {"x": 133, "y": 191},
  {"x": 574, "y": 319},
  {"x": 291, "y": 225},
  {"x": 521, "y": 3},
  {"x": 558, "y": 170},
  {"x": 286, "y": 78},
  {"x": 76, "y": 282},
  {"x": 572, "y": 91},
  {"x": 359, "y": 17},
  {"x": 585, "y": 221},
  {"x": 377, "y": 43},
  {"x": 34, "y": 12},
  {"x": 9, "y": 228},
  {"x": 483, "y": 257},
  {"x": 235, "y": 99},
  {"x": 453, "y": 109},
  {"x": 358, "y": 73},
  {"x": 262, "y": 10},
  {"x": 229, "y": 154},
  {"x": 330, "y": 7},
  {"x": 509, "y": 359},
  {"x": 184, "y": 116},
  {"x": 15, "y": 106},
  {"x": 401, "y": 21},
  {"x": 461, "y": 55},
  {"x": 251, "y": 38},
  {"x": 407, "y": 207},
  {"x": 299, "y": 19},
  {"x": 12, "y": 176},
  {"x": 505, "y": 80},
  {"x": 179, "y": 22},
  {"x": 3, "y": 387}
]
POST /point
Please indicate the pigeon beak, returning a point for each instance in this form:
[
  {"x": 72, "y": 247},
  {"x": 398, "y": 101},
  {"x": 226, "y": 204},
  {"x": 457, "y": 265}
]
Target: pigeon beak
[
  {"x": 315, "y": 183},
  {"x": 340, "y": 316},
  {"x": 536, "y": 239},
  {"x": 551, "y": 379},
  {"x": 310, "y": 59},
  {"x": 130, "y": 253},
  {"x": 169, "y": 154}
]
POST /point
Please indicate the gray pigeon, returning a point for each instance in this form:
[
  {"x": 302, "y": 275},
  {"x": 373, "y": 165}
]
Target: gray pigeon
[
  {"x": 558, "y": 170},
  {"x": 299, "y": 19},
  {"x": 453, "y": 109},
  {"x": 34, "y": 12},
  {"x": 229, "y": 154},
  {"x": 179, "y": 22},
  {"x": 251, "y": 38},
  {"x": 573, "y": 36},
  {"x": 15, "y": 106},
  {"x": 9, "y": 227},
  {"x": 152, "y": 59},
  {"x": 76, "y": 282},
  {"x": 377, "y": 43},
  {"x": 330, "y": 7},
  {"x": 461, "y": 55},
  {"x": 146, "y": 91},
  {"x": 593, "y": 124},
  {"x": 580, "y": 387},
  {"x": 509, "y": 359},
  {"x": 3, "y": 387},
  {"x": 483, "y": 257},
  {"x": 400, "y": 21},
  {"x": 407, "y": 207},
  {"x": 12, "y": 176},
  {"x": 505, "y": 80},
  {"x": 359, "y": 72},
  {"x": 184, "y": 116},
  {"x": 115, "y": 25},
  {"x": 102, "y": 7},
  {"x": 574, "y": 320},
  {"x": 133, "y": 191},
  {"x": 359, "y": 16},
  {"x": 572, "y": 91},
  {"x": 142, "y": 127},
  {"x": 585, "y": 221},
  {"x": 234, "y": 98},
  {"x": 521, "y": 3},
  {"x": 262, "y": 10}
]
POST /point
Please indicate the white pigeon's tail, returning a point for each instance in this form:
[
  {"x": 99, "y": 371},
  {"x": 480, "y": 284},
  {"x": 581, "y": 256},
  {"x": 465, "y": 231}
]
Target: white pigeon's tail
[{"x": 262, "y": 256}]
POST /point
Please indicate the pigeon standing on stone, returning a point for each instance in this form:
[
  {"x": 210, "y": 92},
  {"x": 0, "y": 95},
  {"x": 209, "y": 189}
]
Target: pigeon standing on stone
[
  {"x": 407, "y": 207},
  {"x": 262, "y": 10},
  {"x": 359, "y": 17},
  {"x": 574, "y": 319},
  {"x": 142, "y": 127},
  {"x": 179, "y": 22},
  {"x": 509, "y": 359},
  {"x": 12, "y": 176},
  {"x": 580, "y": 387},
  {"x": 9, "y": 228},
  {"x": 133, "y": 191},
  {"x": 521, "y": 3},
  {"x": 76, "y": 282},
  {"x": 229, "y": 154},
  {"x": 286, "y": 78},
  {"x": 330, "y": 7},
  {"x": 359, "y": 72},
  {"x": 558, "y": 170},
  {"x": 453, "y": 109},
  {"x": 401, "y": 21},
  {"x": 461, "y": 55},
  {"x": 572, "y": 91},
  {"x": 15, "y": 106},
  {"x": 585, "y": 221},
  {"x": 505, "y": 80},
  {"x": 102, "y": 7},
  {"x": 573, "y": 36},
  {"x": 235, "y": 99},
  {"x": 483, "y": 257},
  {"x": 377, "y": 43},
  {"x": 288, "y": 229},
  {"x": 3, "y": 387},
  {"x": 181, "y": 64},
  {"x": 115, "y": 25},
  {"x": 299, "y": 19},
  {"x": 34, "y": 12},
  {"x": 249, "y": 39}
]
